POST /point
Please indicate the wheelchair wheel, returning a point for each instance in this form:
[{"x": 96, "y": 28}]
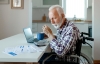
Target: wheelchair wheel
[{"x": 84, "y": 59}]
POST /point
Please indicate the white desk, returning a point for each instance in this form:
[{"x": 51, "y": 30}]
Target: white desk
[{"x": 15, "y": 40}]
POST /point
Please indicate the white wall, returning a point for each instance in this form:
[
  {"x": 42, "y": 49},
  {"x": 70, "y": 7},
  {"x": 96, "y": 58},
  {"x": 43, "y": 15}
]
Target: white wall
[
  {"x": 96, "y": 28},
  {"x": 39, "y": 12},
  {"x": 12, "y": 21}
]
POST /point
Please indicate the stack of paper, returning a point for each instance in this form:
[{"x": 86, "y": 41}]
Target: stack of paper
[{"x": 13, "y": 51}]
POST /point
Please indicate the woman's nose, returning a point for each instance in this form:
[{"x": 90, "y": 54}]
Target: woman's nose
[{"x": 52, "y": 21}]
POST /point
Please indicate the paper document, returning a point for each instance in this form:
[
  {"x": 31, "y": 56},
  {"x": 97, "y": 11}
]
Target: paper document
[{"x": 13, "y": 51}]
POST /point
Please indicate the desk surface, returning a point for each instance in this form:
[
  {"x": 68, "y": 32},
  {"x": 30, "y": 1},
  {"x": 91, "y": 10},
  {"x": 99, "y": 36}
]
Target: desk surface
[{"x": 15, "y": 40}]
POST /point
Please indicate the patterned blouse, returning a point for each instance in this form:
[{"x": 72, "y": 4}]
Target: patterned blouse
[{"x": 66, "y": 39}]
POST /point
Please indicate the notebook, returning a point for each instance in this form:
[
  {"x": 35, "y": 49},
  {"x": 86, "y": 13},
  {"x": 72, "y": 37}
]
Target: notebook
[{"x": 30, "y": 37}]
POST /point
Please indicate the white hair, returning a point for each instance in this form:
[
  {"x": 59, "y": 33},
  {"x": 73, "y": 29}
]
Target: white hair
[{"x": 58, "y": 8}]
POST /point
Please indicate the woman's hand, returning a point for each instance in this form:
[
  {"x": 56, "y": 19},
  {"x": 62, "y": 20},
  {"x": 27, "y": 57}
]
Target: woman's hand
[{"x": 48, "y": 32}]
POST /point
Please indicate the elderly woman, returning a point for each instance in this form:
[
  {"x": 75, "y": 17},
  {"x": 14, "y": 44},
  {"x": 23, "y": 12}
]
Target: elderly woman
[{"x": 67, "y": 33}]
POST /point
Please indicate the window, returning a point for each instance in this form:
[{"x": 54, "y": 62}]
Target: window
[{"x": 75, "y": 8}]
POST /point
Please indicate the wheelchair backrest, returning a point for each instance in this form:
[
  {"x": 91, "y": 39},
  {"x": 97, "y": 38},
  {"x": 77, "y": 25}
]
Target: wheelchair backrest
[{"x": 78, "y": 46}]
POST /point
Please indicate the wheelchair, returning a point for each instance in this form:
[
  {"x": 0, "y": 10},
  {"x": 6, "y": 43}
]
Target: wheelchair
[{"x": 77, "y": 58}]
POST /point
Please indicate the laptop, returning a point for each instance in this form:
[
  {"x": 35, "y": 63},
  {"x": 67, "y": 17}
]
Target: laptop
[{"x": 30, "y": 38}]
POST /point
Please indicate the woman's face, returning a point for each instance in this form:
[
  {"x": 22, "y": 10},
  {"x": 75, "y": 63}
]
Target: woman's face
[{"x": 55, "y": 18}]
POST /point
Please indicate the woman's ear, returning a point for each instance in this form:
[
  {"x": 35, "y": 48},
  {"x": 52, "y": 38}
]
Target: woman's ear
[{"x": 63, "y": 15}]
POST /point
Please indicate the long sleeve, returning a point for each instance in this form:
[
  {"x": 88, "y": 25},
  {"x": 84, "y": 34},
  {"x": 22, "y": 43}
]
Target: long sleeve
[{"x": 67, "y": 40}]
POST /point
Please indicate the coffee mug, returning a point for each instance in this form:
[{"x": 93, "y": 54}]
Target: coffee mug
[{"x": 40, "y": 36}]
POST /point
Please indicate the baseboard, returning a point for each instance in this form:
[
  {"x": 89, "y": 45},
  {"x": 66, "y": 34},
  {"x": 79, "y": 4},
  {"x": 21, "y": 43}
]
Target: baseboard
[{"x": 96, "y": 61}]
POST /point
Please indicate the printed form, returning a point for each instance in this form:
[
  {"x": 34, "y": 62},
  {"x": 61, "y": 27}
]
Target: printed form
[{"x": 13, "y": 51}]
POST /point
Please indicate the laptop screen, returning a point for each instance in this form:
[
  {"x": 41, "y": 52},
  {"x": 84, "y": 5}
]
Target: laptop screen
[
  {"x": 28, "y": 33},
  {"x": 30, "y": 38}
]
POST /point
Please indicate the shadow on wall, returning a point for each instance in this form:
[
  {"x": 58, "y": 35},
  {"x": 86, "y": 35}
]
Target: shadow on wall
[
  {"x": 16, "y": 63},
  {"x": 12, "y": 63}
]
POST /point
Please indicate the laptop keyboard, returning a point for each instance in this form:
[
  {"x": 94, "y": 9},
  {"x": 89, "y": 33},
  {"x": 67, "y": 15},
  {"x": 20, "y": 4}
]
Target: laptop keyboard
[{"x": 30, "y": 40}]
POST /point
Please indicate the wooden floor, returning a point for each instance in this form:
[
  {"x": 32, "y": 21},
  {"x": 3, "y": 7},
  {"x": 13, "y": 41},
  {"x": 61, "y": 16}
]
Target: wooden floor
[{"x": 96, "y": 61}]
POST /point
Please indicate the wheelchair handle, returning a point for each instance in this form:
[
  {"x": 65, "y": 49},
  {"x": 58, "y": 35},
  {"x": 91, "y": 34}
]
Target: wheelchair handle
[
  {"x": 84, "y": 33},
  {"x": 89, "y": 38}
]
